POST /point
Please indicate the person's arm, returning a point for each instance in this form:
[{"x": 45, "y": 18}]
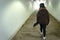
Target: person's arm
[
  {"x": 36, "y": 20},
  {"x": 48, "y": 17}
]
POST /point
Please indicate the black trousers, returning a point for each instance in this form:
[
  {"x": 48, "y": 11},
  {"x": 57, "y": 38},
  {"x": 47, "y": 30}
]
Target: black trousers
[{"x": 43, "y": 29}]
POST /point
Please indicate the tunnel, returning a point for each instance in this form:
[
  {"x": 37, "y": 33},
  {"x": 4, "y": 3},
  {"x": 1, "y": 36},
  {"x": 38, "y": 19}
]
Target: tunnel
[{"x": 18, "y": 16}]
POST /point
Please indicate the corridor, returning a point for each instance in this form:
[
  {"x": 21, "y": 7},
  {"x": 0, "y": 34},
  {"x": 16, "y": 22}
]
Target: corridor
[
  {"x": 27, "y": 32},
  {"x": 18, "y": 16}
]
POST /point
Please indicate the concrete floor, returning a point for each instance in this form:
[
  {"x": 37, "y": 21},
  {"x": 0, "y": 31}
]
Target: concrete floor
[{"x": 27, "y": 32}]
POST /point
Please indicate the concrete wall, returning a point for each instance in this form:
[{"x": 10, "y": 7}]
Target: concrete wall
[
  {"x": 54, "y": 8},
  {"x": 13, "y": 14}
]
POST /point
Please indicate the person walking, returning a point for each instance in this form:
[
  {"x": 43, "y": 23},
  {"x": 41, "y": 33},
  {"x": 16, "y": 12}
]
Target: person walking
[{"x": 42, "y": 19}]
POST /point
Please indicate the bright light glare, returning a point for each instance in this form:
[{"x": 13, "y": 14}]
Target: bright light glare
[{"x": 37, "y": 3}]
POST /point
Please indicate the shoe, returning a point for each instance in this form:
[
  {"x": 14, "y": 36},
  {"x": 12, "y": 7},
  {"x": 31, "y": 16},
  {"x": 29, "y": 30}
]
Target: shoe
[
  {"x": 41, "y": 34},
  {"x": 44, "y": 38}
]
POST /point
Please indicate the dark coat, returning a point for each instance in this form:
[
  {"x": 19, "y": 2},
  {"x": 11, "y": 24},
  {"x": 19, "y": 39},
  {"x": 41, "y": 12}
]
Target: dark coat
[{"x": 43, "y": 16}]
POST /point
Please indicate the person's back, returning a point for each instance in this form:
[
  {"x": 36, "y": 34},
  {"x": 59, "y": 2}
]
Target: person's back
[{"x": 43, "y": 16}]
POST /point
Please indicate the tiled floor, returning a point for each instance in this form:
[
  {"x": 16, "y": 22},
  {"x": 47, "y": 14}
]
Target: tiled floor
[{"x": 27, "y": 32}]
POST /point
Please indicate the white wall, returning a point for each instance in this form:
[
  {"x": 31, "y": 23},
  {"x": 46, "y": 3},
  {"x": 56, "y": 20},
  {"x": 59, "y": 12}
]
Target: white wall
[
  {"x": 13, "y": 15},
  {"x": 54, "y": 8}
]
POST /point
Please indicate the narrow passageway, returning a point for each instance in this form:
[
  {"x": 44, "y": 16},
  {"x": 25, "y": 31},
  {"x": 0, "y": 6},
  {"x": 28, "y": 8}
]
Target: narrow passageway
[{"x": 27, "y": 32}]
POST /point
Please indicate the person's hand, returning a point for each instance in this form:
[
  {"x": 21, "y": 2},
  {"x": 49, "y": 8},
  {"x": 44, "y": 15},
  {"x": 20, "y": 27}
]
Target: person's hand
[{"x": 34, "y": 24}]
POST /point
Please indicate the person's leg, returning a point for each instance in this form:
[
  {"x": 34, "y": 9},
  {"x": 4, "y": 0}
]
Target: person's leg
[
  {"x": 41, "y": 27},
  {"x": 41, "y": 30},
  {"x": 44, "y": 31}
]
